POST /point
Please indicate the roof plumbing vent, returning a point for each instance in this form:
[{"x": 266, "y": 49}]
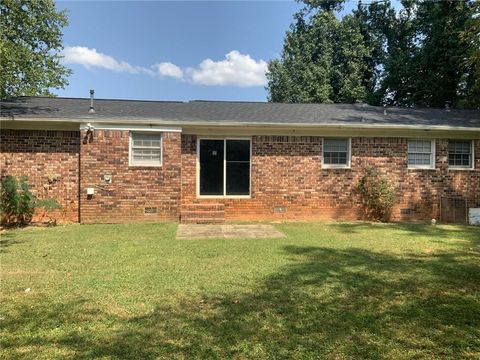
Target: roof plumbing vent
[
  {"x": 384, "y": 109},
  {"x": 91, "y": 110},
  {"x": 448, "y": 105}
]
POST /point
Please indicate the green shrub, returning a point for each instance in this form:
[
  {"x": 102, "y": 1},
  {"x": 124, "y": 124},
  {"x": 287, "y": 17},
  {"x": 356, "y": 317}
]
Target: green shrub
[
  {"x": 377, "y": 195},
  {"x": 17, "y": 203}
]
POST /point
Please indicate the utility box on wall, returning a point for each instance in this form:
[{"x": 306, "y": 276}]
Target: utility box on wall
[{"x": 474, "y": 216}]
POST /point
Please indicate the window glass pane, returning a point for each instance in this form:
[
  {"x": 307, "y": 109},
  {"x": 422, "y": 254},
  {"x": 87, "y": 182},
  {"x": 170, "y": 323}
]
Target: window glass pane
[
  {"x": 459, "y": 160},
  {"x": 144, "y": 136},
  {"x": 419, "y": 146},
  {"x": 419, "y": 159},
  {"x": 459, "y": 153},
  {"x": 238, "y": 167},
  {"x": 211, "y": 167},
  {"x": 238, "y": 150},
  {"x": 456, "y": 146},
  {"x": 238, "y": 178},
  {"x": 333, "y": 145},
  {"x": 146, "y": 148},
  {"x": 147, "y": 152},
  {"x": 335, "y": 158},
  {"x": 335, "y": 151},
  {"x": 420, "y": 153}
]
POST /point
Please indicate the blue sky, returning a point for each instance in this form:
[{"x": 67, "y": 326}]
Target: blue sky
[{"x": 180, "y": 50}]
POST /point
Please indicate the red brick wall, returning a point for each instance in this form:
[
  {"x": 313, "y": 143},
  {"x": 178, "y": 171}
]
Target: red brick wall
[
  {"x": 50, "y": 161},
  {"x": 132, "y": 188},
  {"x": 286, "y": 171}
]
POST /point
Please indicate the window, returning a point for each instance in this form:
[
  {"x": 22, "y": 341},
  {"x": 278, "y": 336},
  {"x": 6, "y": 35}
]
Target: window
[
  {"x": 421, "y": 154},
  {"x": 336, "y": 153},
  {"x": 224, "y": 167},
  {"x": 460, "y": 154},
  {"x": 237, "y": 162},
  {"x": 145, "y": 149}
]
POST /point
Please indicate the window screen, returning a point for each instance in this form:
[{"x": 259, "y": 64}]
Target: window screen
[
  {"x": 420, "y": 153},
  {"x": 460, "y": 153},
  {"x": 146, "y": 149},
  {"x": 336, "y": 152}
]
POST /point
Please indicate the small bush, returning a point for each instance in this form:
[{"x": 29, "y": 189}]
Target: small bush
[
  {"x": 378, "y": 196},
  {"x": 17, "y": 203}
]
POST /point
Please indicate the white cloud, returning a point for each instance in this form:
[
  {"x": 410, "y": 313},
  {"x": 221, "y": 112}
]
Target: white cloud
[
  {"x": 91, "y": 58},
  {"x": 168, "y": 69},
  {"x": 236, "y": 70}
]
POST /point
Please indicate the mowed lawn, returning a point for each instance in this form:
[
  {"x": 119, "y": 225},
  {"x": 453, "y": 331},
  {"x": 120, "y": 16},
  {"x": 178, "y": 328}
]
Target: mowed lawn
[{"x": 326, "y": 290}]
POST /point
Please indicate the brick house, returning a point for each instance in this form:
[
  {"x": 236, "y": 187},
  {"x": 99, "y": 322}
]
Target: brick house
[{"x": 125, "y": 160}]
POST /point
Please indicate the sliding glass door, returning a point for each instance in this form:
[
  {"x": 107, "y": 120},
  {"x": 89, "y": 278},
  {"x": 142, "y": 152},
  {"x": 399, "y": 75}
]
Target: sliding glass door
[
  {"x": 224, "y": 167},
  {"x": 211, "y": 167}
]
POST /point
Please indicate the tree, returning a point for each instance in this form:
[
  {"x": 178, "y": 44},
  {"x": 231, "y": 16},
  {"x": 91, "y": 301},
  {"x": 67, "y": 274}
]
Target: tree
[
  {"x": 470, "y": 82},
  {"x": 349, "y": 62},
  {"x": 376, "y": 22},
  {"x": 303, "y": 74},
  {"x": 30, "y": 46},
  {"x": 439, "y": 62},
  {"x": 397, "y": 85},
  {"x": 322, "y": 59},
  {"x": 425, "y": 54}
]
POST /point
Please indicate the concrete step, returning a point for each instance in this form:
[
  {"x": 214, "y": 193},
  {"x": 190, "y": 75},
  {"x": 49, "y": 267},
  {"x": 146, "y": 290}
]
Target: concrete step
[
  {"x": 202, "y": 213},
  {"x": 203, "y": 206},
  {"x": 202, "y": 221}
]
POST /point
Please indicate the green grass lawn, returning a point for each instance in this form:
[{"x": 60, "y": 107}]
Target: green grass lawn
[{"x": 326, "y": 290}]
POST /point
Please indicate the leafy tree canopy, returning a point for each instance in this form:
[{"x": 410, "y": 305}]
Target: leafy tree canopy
[
  {"x": 30, "y": 45},
  {"x": 425, "y": 54}
]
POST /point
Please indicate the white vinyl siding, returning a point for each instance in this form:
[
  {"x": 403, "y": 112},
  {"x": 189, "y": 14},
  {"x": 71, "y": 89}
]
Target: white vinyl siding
[
  {"x": 145, "y": 149},
  {"x": 336, "y": 153},
  {"x": 421, "y": 154}
]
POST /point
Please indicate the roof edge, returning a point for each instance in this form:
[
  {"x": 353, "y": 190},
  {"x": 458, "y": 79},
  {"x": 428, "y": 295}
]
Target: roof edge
[{"x": 166, "y": 122}]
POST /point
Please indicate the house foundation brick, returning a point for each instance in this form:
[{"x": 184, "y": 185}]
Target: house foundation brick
[
  {"x": 50, "y": 161},
  {"x": 287, "y": 175},
  {"x": 135, "y": 193},
  {"x": 287, "y": 178}
]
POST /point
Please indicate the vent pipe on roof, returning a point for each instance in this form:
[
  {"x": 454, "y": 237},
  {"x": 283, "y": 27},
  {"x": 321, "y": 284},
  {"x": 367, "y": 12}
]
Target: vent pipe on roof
[
  {"x": 384, "y": 109},
  {"x": 91, "y": 110},
  {"x": 448, "y": 105}
]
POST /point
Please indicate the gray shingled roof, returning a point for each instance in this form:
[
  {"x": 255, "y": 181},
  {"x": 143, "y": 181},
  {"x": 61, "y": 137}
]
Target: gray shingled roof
[{"x": 199, "y": 112}]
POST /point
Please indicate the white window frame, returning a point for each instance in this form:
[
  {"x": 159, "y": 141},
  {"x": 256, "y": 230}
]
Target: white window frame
[
  {"x": 472, "y": 150},
  {"x": 431, "y": 166},
  {"x": 132, "y": 163},
  {"x": 224, "y": 196},
  {"x": 348, "y": 165}
]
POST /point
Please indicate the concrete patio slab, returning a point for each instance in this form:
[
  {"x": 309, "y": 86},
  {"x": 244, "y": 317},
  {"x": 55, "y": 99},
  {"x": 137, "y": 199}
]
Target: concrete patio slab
[{"x": 200, "y": 231}]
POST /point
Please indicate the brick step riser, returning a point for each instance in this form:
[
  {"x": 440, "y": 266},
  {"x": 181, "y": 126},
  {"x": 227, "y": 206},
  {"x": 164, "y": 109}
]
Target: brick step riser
[
  {"x": 206, "y": 214},
  {"x": 202, "y": 208},
  {"x": 202, "y": 221},
  {"x": 202, "y": 213}
]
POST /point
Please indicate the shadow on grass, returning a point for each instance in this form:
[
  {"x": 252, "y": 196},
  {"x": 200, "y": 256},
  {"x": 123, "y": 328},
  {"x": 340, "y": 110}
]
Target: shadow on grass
[
  {"x": 329, "y": 303},
  {"x": 470, "y": 233},
  {"x": 7, "y": 239}
]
